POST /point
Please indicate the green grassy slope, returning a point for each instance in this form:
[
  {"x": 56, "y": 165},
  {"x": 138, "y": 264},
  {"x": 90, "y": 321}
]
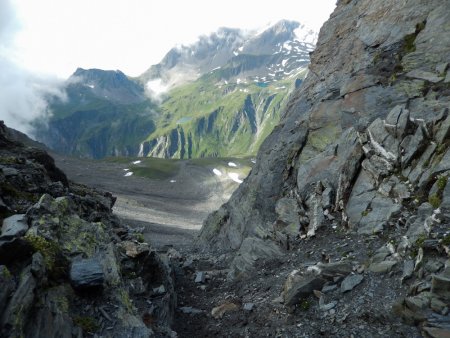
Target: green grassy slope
[{"x": 210, "y": 117}]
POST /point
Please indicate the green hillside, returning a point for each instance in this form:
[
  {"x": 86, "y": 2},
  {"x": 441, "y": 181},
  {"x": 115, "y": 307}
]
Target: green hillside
[{"x": 217, "y": 118}]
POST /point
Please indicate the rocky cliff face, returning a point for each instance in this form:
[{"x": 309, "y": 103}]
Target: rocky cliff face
[
  {"x": 68, "y": 267},
  {"x": 362, "y": 148}
]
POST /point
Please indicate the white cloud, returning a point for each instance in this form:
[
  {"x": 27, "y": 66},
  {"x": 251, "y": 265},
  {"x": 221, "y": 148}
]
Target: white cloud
[
  {"x": 22, "y": 94},
  {"x": 156, "y": 88}
]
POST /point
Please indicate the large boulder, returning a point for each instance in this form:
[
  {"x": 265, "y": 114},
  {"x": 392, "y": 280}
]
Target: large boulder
[{"x": 87, "y": 274}]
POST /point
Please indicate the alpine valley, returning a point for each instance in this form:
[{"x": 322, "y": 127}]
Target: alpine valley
[{"x": 220, "y": 96}]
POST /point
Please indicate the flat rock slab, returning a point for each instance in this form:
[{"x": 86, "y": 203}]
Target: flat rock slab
[
  {"x": 14, "y": 226},
  {"x": 190, "y": 310},
  {"x": 423, "y": 75},
  {"x": 330, "y": 270},
  {"x": 382, "y": 267},
  {"x": 86, "y": 274},
  {"x": 350, "y": 282}
]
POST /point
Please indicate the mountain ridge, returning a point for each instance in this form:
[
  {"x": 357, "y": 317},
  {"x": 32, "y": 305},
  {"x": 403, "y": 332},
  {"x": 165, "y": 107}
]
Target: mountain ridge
[{"x": 107, "y": 113}]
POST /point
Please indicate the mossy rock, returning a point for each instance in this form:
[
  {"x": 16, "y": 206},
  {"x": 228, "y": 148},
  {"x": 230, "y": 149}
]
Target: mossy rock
[
  {"x": 88, "y": 324},
  {"x": 435, "y": 201},
  {"x": 446, "y": 240},
  {"x": 49, "y": 249},
  {"x": 55, "y": 262},
  {"x": 80, "y": 236},
  {"x": 442, "y": 182}
]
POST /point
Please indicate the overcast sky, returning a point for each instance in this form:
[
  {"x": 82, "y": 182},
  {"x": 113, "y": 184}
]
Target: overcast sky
[{"x": 57, "y": 36}]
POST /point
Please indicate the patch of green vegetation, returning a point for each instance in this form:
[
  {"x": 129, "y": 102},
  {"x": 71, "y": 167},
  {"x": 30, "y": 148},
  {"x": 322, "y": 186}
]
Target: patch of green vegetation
[
  {"x": 88, "y": 324},
  {"x": 139, "y": 237},
  {"x": 304, "y": 305},
  {"x": 126, "y": 301},
  {"x": 63, "y": 304},
  {"x": 8, "y": 160},
  {"x": 434, "y": 200},
  {"x": 365, "y": 212},
  {"x": 442, "y": 182},
  {"x": 441, "y": 148},
  {"x": 420, "y": 240},
  {"x": 418, "y": 244},
  {"x": 79, "y": 236},
  {"x": 409, "y": 41},
  {"x": 47, "y": 248},
  {"x": 326, "y": 135},
  {"x": 5, "y": 273},
  {"x": 446, "y": 240}
]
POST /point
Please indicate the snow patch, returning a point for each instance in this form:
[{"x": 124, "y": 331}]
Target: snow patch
[
  {"x": 235, "y": 53},
  {"x": 126, "y": 169},
  {"x": 173, "y": 181},
  {"x": 287, "y": 46},
  {"x": 241, "y": 48},
  {"x": 128, "y": 174},
  {"x": 217, "y": 172},
  {"x": 253, "y": 161},
  {"x": 232, "y": 164},
  {"x": 136, "y": 162},
  {"x": 235, "y": 177},
  {"x": 91, "y": 86},
  {"x": 238, "y": 81}
]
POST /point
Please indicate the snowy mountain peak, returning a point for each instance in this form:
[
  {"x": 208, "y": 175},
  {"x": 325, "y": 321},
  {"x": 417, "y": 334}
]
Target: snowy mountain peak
[{"x": 273, "y": 53}]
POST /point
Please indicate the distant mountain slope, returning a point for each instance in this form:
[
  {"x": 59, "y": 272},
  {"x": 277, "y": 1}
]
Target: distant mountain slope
[
  {"x": 104, "y": 114},
  {"x": 229, "y": 110},
  {"x": 217, "y": 97}
]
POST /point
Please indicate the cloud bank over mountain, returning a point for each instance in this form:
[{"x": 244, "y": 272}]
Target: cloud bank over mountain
[{"x": 22, "y": 97}]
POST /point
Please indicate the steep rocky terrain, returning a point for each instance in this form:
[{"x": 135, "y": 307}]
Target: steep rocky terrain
[
  {"x": 351, "y": 187},
  {"x": 68, "y": 266}
]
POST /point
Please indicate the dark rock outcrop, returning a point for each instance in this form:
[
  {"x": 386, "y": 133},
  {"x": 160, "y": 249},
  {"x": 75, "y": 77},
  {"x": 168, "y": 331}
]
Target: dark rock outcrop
[
  {"x": 363, "y": 150},
  {"x": 358, "y": 77},
  {"x": 63, "y": 269}
]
